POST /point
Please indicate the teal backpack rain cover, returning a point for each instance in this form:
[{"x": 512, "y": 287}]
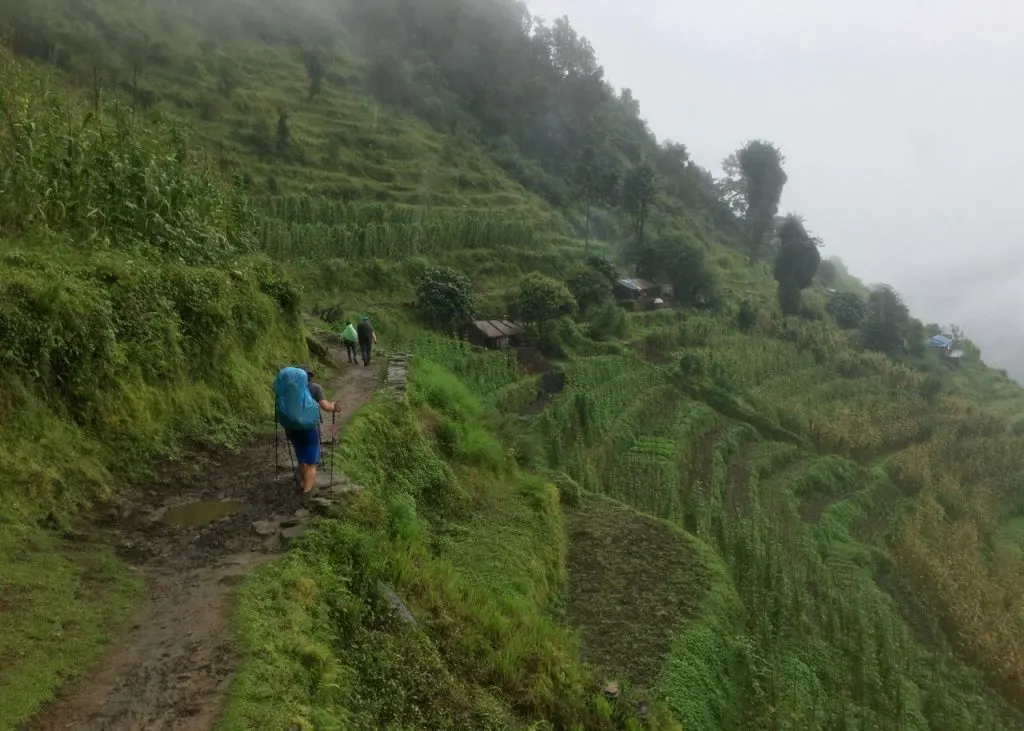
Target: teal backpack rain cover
[{"x": 295, "y": 407}]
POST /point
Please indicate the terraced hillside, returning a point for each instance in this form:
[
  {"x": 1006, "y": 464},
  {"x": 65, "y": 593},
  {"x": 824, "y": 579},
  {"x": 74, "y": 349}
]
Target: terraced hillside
[{"x": 710, "y": 516}]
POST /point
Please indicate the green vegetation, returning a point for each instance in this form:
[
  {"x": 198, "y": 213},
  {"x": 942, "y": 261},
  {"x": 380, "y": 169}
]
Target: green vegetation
[
  {"x": 134, "y": 314},
  {"x": 769, "y": 507},
  {"x": 475, "y": 548},
  {"x": 61, "y": 601}
]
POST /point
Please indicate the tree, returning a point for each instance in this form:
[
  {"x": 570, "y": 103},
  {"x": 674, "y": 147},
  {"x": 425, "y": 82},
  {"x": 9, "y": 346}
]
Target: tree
[
  {"x": 284, "y": 135},
  {"x": 227, "y": 77},
  {"x": 828, "y": 272},
  {"x": 731, "y": 188},
  {"x": 603, "y": 267},
  {"x": 684, "y": 265},
  {"x": 541, "y": 299},
  {"x": 760, "y": 170},
  {"x": 848, "y": 310},
  {"x": 638, "y": 193},
  {"x": 796, "y": 263},
  {"x": 596, "y": 179},
  {"x": 444, "y": 297},
  {"x": 316, "y": 71},
  {"x": 886, "y": 321},
  {"x": 589, "y": 288}
]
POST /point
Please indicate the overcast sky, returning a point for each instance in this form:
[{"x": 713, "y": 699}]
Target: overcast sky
[{"x": 901, "y": 122}]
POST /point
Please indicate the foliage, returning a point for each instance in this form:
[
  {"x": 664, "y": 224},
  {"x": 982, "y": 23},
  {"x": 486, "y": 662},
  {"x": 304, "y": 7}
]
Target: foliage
[
  {"x": 848, "y": 309},
  {"x": 540, "y": 299},
  {"x": 589, "y": 287},
  {"x": 134, "y": 316},
  {"x": 796, "y": 262},
  {"x": 596, "y": 178},
  {"x": 485, "y": 652},
  {"x": 445, "y": 297},
  {"x": 316, "y": 70},
  {"x": 859, "y": 509},
  {"x": 638, "y": 194},
  {"x": 746, "y": 315},
  {"x": 828, "y": 272},
  {"x": 604, "y": 267},
  {"x": 761, "y": 177},
  {"x": 886, "y": 322},
  {"x": 683, "y": 264}
]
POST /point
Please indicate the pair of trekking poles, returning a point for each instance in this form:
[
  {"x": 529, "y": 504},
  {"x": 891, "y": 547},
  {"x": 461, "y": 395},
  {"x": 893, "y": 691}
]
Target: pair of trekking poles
[{"x": 291, "y": 449}]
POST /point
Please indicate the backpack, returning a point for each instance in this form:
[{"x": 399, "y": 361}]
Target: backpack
[
  {"x": 349, "y": 334},
  {"x": 294, "y": 405}
]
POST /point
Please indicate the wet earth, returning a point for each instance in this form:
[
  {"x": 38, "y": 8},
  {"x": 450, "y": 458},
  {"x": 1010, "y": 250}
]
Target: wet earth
[{"x": 194, "y": 533}]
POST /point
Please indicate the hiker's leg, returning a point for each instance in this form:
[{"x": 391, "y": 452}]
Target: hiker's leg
[
  {"x": 365, "y": 348},
  {"x": 309, "y": 479},
  {"x": 307, "y": 452}
]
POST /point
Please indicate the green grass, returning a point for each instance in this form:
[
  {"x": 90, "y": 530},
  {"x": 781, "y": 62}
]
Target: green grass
[
  {"x": 61, "y": 601},
  {"x": 134, "y": 316},
  {"x": 477, "y": 552}
]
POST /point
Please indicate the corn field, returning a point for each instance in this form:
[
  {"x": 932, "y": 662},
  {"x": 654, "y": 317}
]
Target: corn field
[
  {"x": 301, "y": 227},
  {"x": 818, "y": 642}
]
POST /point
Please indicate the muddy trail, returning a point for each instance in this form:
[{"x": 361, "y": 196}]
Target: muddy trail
[{"x": 194, "y": 533}]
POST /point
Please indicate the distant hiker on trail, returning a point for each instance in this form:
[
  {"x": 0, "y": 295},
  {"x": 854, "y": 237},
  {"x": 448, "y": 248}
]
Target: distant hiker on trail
[
  {"x": 350, "y": 339},
  {"x": 297, "y": 403},
  {"x": 367, "y": 338}
]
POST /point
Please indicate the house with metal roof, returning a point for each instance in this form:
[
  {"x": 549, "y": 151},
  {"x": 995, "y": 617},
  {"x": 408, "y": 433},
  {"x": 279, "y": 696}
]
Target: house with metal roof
[
  {"x": 631, "y": 288},
  {"x": 496, "y": 334},
  {"x": 941, "y": 342}
]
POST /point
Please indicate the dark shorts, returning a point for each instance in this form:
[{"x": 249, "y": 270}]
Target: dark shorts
[{"x": 307, "y": 446}]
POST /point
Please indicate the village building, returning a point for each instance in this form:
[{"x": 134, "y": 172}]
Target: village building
[{"x": 494, "y": 334}]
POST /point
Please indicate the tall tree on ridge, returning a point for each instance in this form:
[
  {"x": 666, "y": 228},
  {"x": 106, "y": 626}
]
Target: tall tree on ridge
[
  {"x": 761, "y": 180},
  {"x": 796, "y": 262}
]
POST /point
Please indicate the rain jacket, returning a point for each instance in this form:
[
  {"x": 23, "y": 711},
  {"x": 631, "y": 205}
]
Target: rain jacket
[{"x": 349, "y": 334}]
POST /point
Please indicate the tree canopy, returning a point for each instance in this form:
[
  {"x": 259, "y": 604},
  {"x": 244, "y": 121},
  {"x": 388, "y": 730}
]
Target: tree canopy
[
  {"x": 753, "y": 188},
  {"x": 444, "y": 297},
  {"x": 541, "y": 299},
  {"x": 796, "y": 262}
]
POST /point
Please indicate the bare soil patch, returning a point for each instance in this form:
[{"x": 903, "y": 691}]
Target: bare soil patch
[{"x": 633, "y": 581}]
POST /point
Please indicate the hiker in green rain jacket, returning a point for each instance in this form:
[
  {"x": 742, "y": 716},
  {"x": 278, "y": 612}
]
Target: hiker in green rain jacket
[{"x": 350, "y": 339}]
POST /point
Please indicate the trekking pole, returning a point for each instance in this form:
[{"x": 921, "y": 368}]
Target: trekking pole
[
  {"x": 334, "y": 443},
  {"x": 277, "y": 466},
  {"x": 320, "y": 440},
  {"x": 291, "y": 460}
]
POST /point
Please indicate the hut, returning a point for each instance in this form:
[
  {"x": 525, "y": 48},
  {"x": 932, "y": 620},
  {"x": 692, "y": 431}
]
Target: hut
[
  {"x": 635, "y": 289},
  {"x": 494, "y": 334}
]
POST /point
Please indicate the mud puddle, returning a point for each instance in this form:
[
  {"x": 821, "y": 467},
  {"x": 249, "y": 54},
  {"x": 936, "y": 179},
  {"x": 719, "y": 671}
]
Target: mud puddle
[{"x": 201, "y": 512}]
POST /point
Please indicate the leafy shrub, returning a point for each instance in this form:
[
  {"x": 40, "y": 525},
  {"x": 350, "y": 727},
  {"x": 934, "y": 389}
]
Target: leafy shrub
[
  {"x": 540, "y": 299},
  {"x": 589, "y": 287},
  {"x": 746, "y": 315},
  {"x": 848, "y": 310},
  {"x": 444, "y": 297}
]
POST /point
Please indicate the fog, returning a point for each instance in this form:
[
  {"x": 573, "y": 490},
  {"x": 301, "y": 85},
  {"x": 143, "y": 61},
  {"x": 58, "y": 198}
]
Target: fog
[{"x": 900, "y": 122}]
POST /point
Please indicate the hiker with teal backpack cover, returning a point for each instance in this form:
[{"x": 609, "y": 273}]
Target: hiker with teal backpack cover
[{"x": 298, "y": 412}]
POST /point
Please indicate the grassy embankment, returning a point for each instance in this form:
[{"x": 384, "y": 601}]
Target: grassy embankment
[{"x": 135, "y": 314}]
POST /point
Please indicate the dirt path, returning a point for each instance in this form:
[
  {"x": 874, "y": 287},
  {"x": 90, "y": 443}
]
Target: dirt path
[{"x": 174, "y": 666}]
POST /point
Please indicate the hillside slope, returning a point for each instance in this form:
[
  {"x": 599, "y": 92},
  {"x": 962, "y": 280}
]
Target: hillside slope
[{"x": 843, "y": 506}]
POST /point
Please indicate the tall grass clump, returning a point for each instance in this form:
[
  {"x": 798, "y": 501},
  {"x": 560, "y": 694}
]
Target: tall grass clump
[{"x": 134, "y": 309}]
